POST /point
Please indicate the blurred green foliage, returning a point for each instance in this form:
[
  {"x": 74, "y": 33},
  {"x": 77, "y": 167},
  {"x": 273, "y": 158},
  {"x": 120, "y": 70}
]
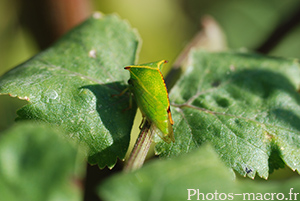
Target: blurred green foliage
[
  {"x": 39, "y": 164},
  {"x": 17, "y": 45},
  {"x": 166, "y": 26},
  {"x": 246, "y": 24}
]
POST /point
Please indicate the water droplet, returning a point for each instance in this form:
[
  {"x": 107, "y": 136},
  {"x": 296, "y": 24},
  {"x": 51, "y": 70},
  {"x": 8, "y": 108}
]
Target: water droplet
[{"x": 51, "y": 95}]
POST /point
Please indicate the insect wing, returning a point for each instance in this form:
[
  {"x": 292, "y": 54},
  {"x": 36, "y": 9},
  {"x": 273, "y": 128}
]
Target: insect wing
[{"x": 148, "y": 86}]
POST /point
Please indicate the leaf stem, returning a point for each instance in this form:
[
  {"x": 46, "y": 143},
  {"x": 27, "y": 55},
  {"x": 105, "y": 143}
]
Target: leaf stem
[{"x": 140, "y": 149}]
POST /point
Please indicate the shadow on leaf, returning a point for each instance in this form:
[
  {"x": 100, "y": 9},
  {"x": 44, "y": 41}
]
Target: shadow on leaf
[
  {"x": 275, "y": 89},
  {"x": 115, "y": 120},
  {"x": 264, "y": 83},
  {"x": 275, "y": 159},
  {"x": 280, "y": 95}
]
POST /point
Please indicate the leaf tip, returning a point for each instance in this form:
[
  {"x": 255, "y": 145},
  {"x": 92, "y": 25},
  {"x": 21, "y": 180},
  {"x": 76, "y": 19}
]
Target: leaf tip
[{"x": 26, "y": 98}]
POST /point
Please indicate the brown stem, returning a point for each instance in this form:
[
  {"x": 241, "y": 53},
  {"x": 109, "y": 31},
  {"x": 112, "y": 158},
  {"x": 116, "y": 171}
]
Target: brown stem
[
  {"x": 210, "y": 38},
  {"x": 280, "y": 32},
  {"x": 140, "y": 149},
  {"x": 48, "y": 20}
]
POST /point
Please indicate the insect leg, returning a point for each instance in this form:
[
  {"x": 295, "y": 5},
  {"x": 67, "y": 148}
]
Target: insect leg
[
  {"x": 142, "y": 123},
  {"x": 120, "y": 94},
  {"x": 248, "y": 170},
  {"x": 130, "y": 98}
]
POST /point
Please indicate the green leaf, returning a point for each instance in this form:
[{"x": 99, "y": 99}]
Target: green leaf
[
  {"x": 246, "y": 105},
  {"x": 70, "y": 85},
  {"x": 37, "y": 164},
  {"x": 200, "y": 171}
]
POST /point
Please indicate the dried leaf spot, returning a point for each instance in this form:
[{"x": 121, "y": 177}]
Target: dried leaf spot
[
  {"x": 98, "y": 15},
  {"x": 92, "y": 53},
  {"x": 232, "y": 68},
  {"x": 268, "y": 136}
]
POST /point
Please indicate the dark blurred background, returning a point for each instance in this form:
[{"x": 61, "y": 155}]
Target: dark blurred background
[{"x": 166, "y": 26}]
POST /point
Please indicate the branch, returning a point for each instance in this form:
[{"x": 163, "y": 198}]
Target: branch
[
  {"x": 140, "y": 149},
  {"x": 280, "y": 32}
]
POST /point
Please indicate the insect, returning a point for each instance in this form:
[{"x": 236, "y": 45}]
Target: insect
[
  {"x": 248, "y": 170},
  {"x": 148, "y": 87}
]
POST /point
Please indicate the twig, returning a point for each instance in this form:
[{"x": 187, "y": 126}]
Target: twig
[
  {"x": 210, "y": 38},
  {"x": 140, "y": 149},
  {"x": 280, "y": 32}
]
